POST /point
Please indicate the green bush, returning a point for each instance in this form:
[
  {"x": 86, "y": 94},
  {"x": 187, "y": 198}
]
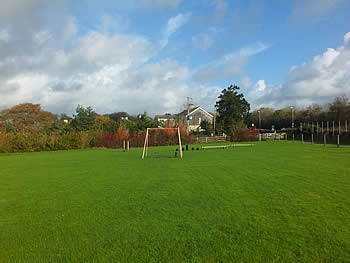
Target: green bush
[{"x": 5, "y": 142}]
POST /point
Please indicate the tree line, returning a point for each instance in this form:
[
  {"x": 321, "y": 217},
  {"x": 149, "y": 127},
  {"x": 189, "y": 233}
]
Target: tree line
[
  {"x": 27, "y": 127},
  {"x": 233, "y": 115},
  {"x": 338, "y": 110},
  {"x": 28, "y": 117}
]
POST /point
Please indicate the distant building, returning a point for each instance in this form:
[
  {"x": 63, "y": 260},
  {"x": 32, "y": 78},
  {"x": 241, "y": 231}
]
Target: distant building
[
  {"x": 195, "y": 117},
  {"x": 167, "y": 119}
]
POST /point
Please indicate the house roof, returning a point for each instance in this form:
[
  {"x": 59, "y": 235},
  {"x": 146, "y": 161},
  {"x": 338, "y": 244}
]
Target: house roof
[
  {"x": 165, "y": 116},
  {"x": 184, "y": 112},
  {"x": 200, "y": 109}
]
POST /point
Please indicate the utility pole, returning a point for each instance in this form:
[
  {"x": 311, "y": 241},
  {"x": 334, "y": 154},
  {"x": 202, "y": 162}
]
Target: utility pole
[{"x": 188, "y": 114}]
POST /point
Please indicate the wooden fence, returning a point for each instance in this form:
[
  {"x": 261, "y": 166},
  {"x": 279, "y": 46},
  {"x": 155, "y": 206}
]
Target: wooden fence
[{"x": 211, "y": 139}]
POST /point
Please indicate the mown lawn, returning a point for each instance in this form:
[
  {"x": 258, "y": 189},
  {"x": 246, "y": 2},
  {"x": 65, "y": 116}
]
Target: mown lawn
[{"x": 274, "y": 202}]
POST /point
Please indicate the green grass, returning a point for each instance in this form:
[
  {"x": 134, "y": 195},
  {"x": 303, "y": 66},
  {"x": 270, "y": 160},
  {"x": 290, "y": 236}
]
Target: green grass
[{"x": 273, "y": 202}]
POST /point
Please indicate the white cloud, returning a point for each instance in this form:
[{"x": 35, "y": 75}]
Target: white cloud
[
  {"x": 99, "y": 49},
  {"x": 222, "y": 69},
  {"x": 155, "y": 88},
  {"x": 41, "y": 38},
  {"x": 249, "y": 50},
  {"x": 109, "y": 72},
  {"x": 24, "y": 87},
  {"x": 318, "y": 81},
  {"x": 174, "y": 23},
  {"x": 9, "y": 8},
  {"x": 309, "y": 11},
  {"x": 229, "y": 65},
  {"x": 111, "y": 24},
  {"x": 70, "y": 28},
  {"x": 253, "y": 50},
  {"x": 202, "y": 41},
  {"x": 326, "y": 75},
  {"x": 59, "y": 67}
]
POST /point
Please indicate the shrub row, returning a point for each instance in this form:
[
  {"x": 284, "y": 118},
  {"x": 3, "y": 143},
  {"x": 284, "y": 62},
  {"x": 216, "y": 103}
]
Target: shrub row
[
  {"x": 34, "y": 142},
  {"x": 246, "y": 135},
  {"x": 136, "y": 139}
]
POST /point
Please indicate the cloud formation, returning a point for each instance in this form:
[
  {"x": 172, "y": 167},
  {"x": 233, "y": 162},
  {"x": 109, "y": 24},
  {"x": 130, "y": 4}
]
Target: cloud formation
[
  {"x": 109, "y": 71},
  {"x": 57, "y": 61},
  {"x": 174, "y": 23},
  {"x": 228, "y": 65},
  {"x": 317, "y": 81},
  {"x": 9, "y": 8}
]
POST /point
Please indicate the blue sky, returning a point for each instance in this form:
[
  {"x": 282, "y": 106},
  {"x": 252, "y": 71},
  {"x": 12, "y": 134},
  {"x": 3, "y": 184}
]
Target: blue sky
[{"x": 149, "y": 55}]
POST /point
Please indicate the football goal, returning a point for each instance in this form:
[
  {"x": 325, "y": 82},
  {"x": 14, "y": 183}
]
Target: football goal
[{"x": 147, "y": 139}]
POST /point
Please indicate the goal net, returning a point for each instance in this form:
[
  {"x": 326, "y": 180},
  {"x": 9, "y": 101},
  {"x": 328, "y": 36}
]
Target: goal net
[{"x": 147, "y": 139}]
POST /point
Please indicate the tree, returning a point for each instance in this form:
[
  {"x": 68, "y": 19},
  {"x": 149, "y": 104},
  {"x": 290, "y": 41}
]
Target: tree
[
  {"x": 339, "y": 109},
  {"x": 282, "y": 118},
  {"x": 232, "y": 108},
  {"x": 84, "y": 119},
  {"x": 207, "y": 127},
  {"x": 143, "y": 122},
  {"x": 26, "y": 117},
  {"x": 263, "y": 120},
  {"x": 106, "y": 124}
]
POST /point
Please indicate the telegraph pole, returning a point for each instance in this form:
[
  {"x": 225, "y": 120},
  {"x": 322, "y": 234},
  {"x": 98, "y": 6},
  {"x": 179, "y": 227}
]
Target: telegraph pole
[{"x": 188, "y": 114}]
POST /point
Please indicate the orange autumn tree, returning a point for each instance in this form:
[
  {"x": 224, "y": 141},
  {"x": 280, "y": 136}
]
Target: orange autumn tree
[
  {"x": 106, "y": 124},
  {"x": 26, "y": 117},
  {"x": 122, "y": 133}
]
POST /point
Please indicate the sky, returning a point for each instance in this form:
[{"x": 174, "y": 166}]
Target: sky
[{"x": 150, "y": 55}]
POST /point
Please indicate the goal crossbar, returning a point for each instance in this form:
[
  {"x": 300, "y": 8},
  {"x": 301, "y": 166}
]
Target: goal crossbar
[{"x": 145, "y": 147}]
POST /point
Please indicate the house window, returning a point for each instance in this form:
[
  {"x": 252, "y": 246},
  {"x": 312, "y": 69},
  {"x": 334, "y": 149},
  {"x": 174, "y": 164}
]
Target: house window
[{"x": 199, "y": 120}]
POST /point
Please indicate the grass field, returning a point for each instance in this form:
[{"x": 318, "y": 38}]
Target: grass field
[{"x": 274, "y": 202}]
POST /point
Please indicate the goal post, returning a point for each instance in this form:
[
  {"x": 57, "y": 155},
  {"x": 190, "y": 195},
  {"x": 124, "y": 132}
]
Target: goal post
[{"x": 146, "y": 143}]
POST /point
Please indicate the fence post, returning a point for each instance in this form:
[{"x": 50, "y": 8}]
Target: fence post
[
  {"x": 302, "y": 138},
  {"x": 293, "y": 137},
  {"x": 312, "y": 138},
  {"x": 346, "y": 126},
  {"x": 324, "y": 139},
  {"x": 338, "y": 140}
]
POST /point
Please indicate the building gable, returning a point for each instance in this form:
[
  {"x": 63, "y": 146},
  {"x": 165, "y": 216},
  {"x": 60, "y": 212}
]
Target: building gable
[{"x": 202, "y": 111}]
